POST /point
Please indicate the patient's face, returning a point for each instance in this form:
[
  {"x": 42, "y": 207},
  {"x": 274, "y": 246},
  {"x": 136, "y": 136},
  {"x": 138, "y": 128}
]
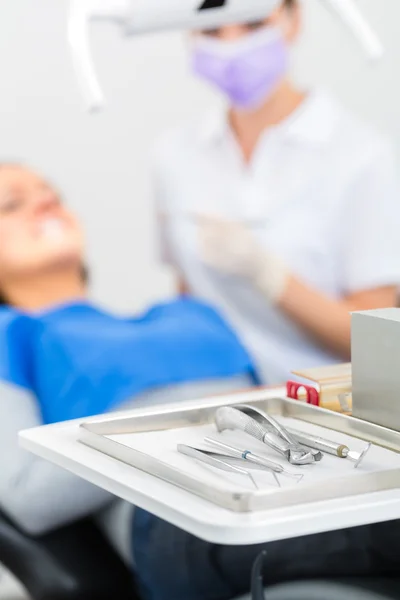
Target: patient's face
[{"x": 36, "y": 230}]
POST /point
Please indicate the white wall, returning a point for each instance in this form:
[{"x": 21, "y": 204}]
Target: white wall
[
  {"x": 328, "y": 55},
  {"x": 101, "y": 163}
]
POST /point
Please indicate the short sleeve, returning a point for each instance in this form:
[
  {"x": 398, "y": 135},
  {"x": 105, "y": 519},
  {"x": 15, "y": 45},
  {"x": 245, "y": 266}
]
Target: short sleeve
[{"x": 370, "y": 225}]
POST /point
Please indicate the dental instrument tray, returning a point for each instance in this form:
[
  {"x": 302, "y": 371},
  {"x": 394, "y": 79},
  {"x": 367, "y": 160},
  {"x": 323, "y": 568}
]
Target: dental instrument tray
[{"x": 148, "y": 439}]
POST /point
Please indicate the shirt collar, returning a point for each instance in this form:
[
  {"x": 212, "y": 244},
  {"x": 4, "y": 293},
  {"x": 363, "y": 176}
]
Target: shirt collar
[
  {"x": 214, "y": 127},
  {"x": 312, "y": 123}
]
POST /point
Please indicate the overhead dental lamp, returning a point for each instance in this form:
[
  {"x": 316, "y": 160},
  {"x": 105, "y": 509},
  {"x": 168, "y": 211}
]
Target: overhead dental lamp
[{"x": 135, "y": 17}]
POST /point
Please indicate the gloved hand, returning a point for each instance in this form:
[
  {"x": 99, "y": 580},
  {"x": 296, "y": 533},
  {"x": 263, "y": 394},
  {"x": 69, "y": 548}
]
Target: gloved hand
[{"x": 230, "y": 247}]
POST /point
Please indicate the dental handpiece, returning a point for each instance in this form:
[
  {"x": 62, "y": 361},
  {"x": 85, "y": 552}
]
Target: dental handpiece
[
  {"x": 333, "y": 448},
  {"x": 256, "y": 459}
]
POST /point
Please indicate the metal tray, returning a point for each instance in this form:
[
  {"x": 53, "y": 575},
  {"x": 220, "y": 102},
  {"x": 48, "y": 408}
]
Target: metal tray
[{"x": 96, "y": 434}]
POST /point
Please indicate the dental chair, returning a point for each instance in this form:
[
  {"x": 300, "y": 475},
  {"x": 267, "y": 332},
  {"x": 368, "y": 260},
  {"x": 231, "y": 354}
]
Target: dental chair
[
  {"x": 354, "y": 588},
  {"x": 329, "y": 590},
  {"x": 73, "y": 563},
  {"x": 77, "y": 563}
]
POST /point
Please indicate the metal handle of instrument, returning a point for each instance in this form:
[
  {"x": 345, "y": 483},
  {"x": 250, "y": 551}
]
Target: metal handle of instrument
[
  {"x": 321, "y": 444},
  {"x": 255, "y": 459},
  {"x": 205, "y": 457},
  {"x": 246, "y": 455},
  {"x": 209, "y": 460},
  {"x": 277, "y": 443},
  {"x": 268, "y": 422},
  {"x": 340, "y": 450},
  {"x": 273, "y": 426}
]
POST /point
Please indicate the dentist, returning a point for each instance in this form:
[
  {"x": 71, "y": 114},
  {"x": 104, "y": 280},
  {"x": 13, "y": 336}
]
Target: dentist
[
  {"x": 283, "y": 212},
  {"x": 282, "y": 209}
]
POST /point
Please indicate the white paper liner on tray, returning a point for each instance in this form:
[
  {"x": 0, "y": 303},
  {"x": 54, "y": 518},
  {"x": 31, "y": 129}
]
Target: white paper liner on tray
[
  {"x": 162, "y": 445},
  {"x": 147, "y": 440}
]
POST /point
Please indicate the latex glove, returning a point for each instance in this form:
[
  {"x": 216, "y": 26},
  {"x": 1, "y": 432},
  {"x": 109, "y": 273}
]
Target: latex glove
[{"x": 230, "y": 247}]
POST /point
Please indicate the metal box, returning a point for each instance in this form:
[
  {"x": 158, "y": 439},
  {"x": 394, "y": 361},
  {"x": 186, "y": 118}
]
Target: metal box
[{"x": 376, "y": 366}]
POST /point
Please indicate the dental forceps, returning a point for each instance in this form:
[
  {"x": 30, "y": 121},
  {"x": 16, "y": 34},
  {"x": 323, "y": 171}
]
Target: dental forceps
[{"x": 264, "y": 431}]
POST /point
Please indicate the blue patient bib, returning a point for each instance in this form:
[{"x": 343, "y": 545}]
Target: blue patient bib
[{"x": 80, "y": 361}]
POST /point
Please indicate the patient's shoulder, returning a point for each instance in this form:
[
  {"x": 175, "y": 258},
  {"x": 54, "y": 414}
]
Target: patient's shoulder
[
  {"x": 8, "y": 315},
  {"x": 12, "y": 322},
  {"x": 16, "y": 331}
]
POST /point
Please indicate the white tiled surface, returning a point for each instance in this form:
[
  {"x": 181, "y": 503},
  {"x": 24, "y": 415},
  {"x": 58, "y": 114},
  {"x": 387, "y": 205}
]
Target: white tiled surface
[{"x": 9, "y": 588}]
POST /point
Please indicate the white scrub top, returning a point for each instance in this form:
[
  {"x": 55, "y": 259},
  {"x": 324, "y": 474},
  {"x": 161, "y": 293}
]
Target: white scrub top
[{"x": 320, "y": 192}]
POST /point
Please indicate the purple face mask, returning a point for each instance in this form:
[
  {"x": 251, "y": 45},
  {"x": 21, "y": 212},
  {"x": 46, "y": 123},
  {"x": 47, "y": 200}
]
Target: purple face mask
[{"x": 246, "y": 71}]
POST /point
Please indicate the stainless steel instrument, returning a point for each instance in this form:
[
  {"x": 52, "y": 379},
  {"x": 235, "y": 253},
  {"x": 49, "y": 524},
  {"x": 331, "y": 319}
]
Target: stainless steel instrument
[
  {"x": 274, "y": 426},
  {"x": 231, "y": 418},
  {"x": 213, "y": 460},
  {"x": 333, "y": 448},
  {"x": 107, "y": 436},
  {"x": 256, "y": 459}
]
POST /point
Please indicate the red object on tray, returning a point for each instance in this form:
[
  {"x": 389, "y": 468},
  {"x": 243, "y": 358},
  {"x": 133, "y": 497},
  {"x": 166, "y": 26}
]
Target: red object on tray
[{"x": 293, "y": 388}]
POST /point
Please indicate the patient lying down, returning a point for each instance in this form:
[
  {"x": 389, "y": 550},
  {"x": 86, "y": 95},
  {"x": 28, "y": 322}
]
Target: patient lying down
[{"x": 62, "y": 358}]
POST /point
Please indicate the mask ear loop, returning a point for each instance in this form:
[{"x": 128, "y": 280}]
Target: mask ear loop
[{"x": 282, "y": 29}]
